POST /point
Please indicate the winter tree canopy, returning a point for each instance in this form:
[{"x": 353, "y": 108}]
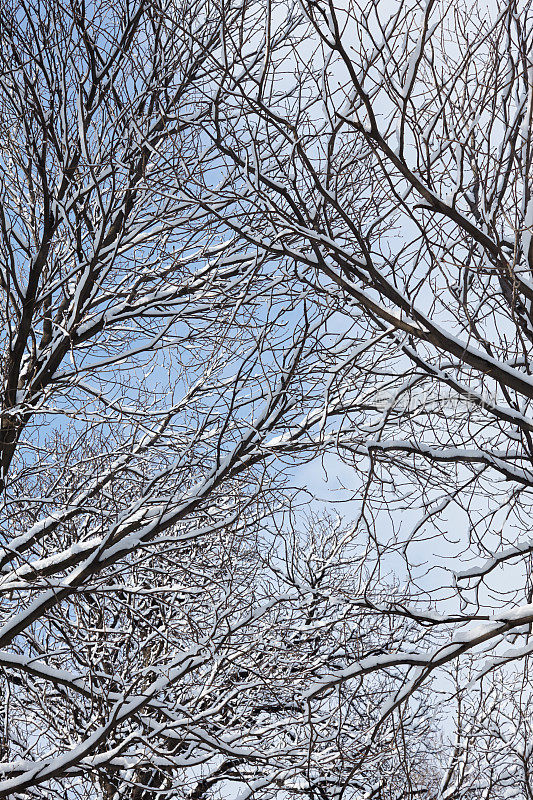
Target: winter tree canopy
[{"x": 266, "y": 423}]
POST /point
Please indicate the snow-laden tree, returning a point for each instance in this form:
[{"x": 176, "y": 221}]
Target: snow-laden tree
[
  {"x": 234, "y": 238},
  {"x": 163, "y": 614},
  {"x": 383, "y": 152}
]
